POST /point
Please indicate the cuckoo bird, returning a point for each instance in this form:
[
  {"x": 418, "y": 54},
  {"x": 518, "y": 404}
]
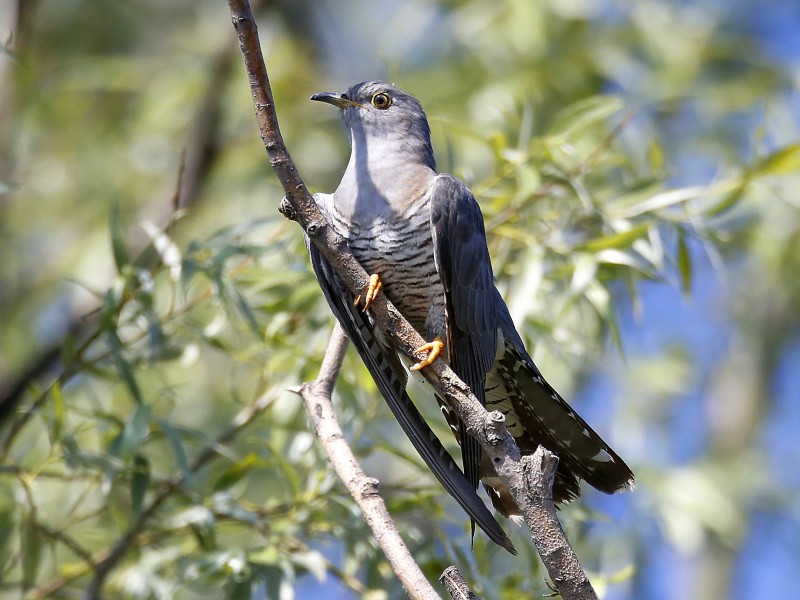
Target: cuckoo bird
[{"x": 420, "y": 234}]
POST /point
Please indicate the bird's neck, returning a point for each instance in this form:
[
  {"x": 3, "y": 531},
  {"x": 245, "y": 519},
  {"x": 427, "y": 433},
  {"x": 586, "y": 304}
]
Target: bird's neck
[{"x": 383, "y": 176}]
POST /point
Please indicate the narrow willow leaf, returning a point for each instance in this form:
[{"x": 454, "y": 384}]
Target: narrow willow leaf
[
  {"x": 59, "y": 412},
  {"x": 140, "y": 481},
  {"x": 124, "y": 369},
  {"x": 672, "y": 198},
  {"x": 584, "y": 273},
  {"x": 313, "y": 562},
  {"x": 176, "y": 445},
  {"x": 135, "y": 431},
  {"x": 243, "y": 307},
  {"x": 119, "y": 245},
  {"x": 684, "y": 264},
  {"x": 619, "y": 240},
  {"x": 7, "y": 526},
  {"x": 783, "y": 162},
  {"x": 236, "y": 472},
  {"x": 585, "y": 113},
  {"x": 166, "y": 248},
  {"x": 31, "y": 551}
]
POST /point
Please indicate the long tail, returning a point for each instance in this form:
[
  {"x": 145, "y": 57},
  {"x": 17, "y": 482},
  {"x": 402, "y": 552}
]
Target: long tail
[{"x": 390, "y": 377}]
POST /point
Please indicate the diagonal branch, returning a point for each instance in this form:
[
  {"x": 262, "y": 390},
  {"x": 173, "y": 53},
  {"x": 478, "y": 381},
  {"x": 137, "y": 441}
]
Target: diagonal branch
[
  {"x": 488, "y": 428},
  {"x": 363, "y": 489}
]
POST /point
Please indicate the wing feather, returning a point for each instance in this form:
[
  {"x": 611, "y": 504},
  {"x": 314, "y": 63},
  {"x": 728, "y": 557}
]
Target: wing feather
[
  {"x": 465, "y": 269},
  {"x": 390, "y": 377}
]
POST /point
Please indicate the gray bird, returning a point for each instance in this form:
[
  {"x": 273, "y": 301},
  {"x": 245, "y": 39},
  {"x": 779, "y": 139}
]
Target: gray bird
[{"x": 421, "y": 235}]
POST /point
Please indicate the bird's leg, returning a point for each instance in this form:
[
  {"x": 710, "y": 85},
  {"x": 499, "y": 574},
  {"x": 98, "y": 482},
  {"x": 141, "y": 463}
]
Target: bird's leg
[
  {"x": 434, "y": 349},
  {"x": 373, "y": 289}
]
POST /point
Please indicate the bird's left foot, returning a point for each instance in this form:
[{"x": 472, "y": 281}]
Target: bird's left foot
[
  {"x": 434, "y": 349},
  {"x": 373, "y": 289}
]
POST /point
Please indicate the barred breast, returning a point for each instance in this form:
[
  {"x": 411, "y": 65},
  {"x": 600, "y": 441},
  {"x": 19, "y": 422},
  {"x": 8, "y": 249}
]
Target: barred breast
[{"x": 399, "y": 249}]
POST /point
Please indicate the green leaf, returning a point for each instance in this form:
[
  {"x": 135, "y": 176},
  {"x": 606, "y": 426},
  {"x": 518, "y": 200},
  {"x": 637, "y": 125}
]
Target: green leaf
[
  {"x": 119, "y": 245},
  {"x": 176, "y": 445},
  {"x": 31, "y": 550},
  {"x": 585, "y": 113},
  {"x": 684, "y": 264},
  {"x": 59, "y": 412},
  {"x": 122, "y": 365},
  {"x": 236, "y": 472},
  {"x": 782, "y": 162},
  {"x": 7, "y": 523},
  {"x": 232, "y": 292},
  {"x": 135, "y": 431},
  {"x": 267, "y": 555},
  {"x": 140, "y": 481},
  {"x": 671, "y": 198},
  {"x": 622, "y": 239}
]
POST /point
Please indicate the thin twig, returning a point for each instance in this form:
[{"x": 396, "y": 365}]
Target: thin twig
[
  {"x": 104, "y": 567},
  {"x": 363, "y": 489},
  {"x": 298, "y": 205},
  {"x": 199, "y": 156}
]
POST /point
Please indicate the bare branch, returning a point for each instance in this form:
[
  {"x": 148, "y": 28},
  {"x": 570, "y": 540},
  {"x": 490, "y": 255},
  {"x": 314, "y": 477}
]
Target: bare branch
[
  {"x": 487, "y": 428},
  {"x": 363, "y": 489},
  {"x": 561, "y": 562},
  {"x": 455, "y": 584}
]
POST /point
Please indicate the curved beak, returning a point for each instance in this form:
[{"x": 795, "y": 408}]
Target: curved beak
[{"x": 335, "y": 99}]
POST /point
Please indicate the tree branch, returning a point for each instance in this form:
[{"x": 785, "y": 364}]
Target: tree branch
[
  {"x": 111, "y": 558},
  {"x": 199, "y": 156},
  {"x": 455, "y": 584},
  {"x": 363, "y": 489},
  {"x": 488, "y": 428}
]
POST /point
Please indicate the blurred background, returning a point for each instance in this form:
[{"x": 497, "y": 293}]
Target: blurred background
[{"x": 637, "y": 164}]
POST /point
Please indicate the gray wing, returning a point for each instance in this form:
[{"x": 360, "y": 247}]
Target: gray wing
[
  {"x": 465, "y": 269},
  {"x": 390, "y": 377}
]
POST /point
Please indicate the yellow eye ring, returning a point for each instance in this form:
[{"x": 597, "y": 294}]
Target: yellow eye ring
[{"x": 381, "y": 101}]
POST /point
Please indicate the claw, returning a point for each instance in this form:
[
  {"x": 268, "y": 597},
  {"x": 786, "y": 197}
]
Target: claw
[
  {"x": 434, "y": 349},
  {"x": 373, "y": 289}
]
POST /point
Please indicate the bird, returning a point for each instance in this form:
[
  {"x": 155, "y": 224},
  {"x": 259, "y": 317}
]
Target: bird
[{"x": 420, "y": 235}]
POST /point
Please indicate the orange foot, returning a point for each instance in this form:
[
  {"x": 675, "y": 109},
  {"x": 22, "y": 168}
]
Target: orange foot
[
  {"x": 434, "y": 349},
  {"x": 373, "y": 289}
]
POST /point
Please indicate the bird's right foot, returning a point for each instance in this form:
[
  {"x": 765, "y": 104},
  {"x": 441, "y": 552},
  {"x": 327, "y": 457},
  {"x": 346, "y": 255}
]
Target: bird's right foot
[{"x": 373, "y": 289}]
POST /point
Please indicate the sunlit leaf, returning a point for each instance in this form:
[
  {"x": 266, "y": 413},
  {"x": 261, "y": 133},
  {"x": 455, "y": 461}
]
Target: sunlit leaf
[
  {"x": 585, "y": 113},
  {"x": 618, "y": 240},
  {"x": 784, "y": 161},
  {"x": 313, "y": 562}
]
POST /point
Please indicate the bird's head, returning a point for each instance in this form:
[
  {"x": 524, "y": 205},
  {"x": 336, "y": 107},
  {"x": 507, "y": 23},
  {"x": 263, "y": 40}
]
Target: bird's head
[{"x": 382, "y": 113}]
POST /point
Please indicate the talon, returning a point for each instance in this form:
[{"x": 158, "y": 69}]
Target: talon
[
  {"x": 373, "y": 289},
  {"x": 434, "y": 349}
]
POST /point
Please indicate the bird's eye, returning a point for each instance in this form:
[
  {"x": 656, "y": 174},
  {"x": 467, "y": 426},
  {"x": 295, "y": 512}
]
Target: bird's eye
[{"x": 381, "y": 101}]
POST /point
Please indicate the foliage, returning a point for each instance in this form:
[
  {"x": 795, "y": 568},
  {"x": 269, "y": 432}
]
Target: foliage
[{"x": 166, "y": 432}]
